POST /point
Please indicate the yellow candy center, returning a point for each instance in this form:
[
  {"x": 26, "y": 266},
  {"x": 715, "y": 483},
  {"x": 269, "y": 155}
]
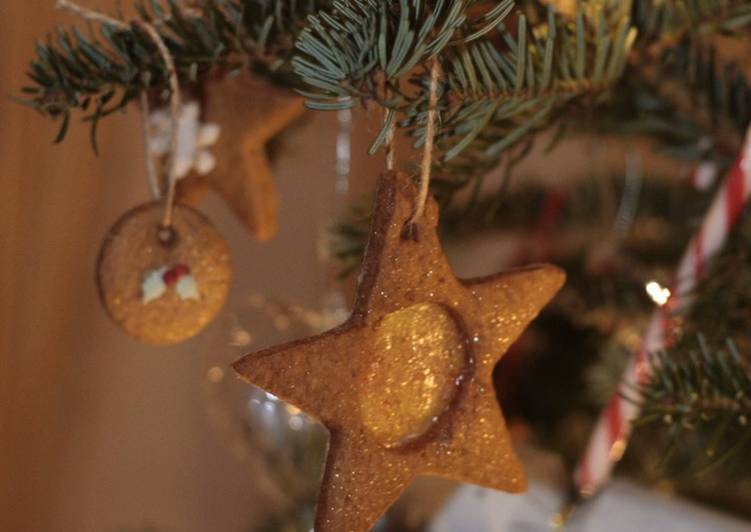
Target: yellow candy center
[{"x": 418, "y": 358}]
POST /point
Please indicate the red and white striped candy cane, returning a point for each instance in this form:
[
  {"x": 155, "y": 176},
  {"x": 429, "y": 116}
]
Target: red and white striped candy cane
[{"x": 609, "y": 439}]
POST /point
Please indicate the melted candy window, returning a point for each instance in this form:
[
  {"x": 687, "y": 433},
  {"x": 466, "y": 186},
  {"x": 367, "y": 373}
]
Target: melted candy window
[{"x": 419, "y": 355}]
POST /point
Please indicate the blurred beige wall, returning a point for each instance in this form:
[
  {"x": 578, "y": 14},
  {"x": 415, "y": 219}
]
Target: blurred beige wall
[
  {"x": 48, "y": 210},
  {"x": 97, "y": 432}
]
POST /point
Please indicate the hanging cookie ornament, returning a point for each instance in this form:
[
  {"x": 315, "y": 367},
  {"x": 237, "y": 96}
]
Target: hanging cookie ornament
[
  {"x": 250, "y": 113},
  {"x": 163, "y": 271},
  {"x": 405, "y": 385}
]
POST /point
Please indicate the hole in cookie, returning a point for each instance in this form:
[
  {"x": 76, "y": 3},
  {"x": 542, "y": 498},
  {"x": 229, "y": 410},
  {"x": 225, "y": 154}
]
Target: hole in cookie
[
  {"x": 418, "y": 358},
  {"x": 166, "y": 235}
]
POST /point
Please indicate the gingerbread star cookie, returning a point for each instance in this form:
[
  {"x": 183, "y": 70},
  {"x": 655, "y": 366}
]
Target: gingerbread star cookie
[
  {"x": 250, "y": 113},
  {"x": 405, "y": 385}
]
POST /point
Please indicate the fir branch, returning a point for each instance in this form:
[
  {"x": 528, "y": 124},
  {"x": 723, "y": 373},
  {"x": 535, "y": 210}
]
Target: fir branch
[
  {"x": 722, "y": 301},
  {"x": 707, "y": 390},
  {"x": 664, "y": 23},
  {"x": 719, "y": 94},
  {"x": 361, "y": 50},
  {"x": 641, "y": 110},
  {"x": 497, "y": 94},
  {"x": 108, "y": 70},
  {"x": 703, "y": 390},
  {"x": 500, "y": 84},
  {"x": 509, "y": 72},
  {"x": 677, "y": 50}
]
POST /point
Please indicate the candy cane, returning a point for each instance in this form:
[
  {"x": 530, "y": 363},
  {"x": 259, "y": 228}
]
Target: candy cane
[{"x": 610, "y": 436}]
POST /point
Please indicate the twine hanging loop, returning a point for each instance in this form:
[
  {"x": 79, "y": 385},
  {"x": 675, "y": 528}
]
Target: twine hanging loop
[
  {"x": 410, "y": 228},
  {"x": 165, "y": 233}
]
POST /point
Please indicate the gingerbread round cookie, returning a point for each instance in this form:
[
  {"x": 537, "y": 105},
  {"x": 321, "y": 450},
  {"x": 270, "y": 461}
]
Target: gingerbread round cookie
[{"x": 163, "y": 285}]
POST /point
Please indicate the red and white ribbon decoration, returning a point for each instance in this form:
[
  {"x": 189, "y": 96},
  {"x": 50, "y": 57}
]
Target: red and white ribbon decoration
[{"x": 610, "y": 436}]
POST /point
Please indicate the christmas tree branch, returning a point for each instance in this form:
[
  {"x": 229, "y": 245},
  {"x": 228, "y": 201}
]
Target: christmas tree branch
[
  {"x": 500, "y": 84},
  {"x": 108, "y": 70},
  {"x": 696, "y": 388},
  {"x": 664, "y": 23},
  {"x": 679, "y": 51},
  {"x": 702, "y": 389},
  {"x": 708, "y": 390},
  {"x": 511, "y": 69},
  {"x": 360, "y": 50},
  {"x": 499, "y": 95}
]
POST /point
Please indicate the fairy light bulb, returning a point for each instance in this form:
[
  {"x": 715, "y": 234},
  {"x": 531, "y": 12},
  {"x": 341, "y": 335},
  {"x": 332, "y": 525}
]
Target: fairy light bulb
[{"x": 658, "y": 293}]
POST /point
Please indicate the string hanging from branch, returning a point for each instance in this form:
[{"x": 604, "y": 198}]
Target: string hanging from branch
[
  {"x": 411, "y": 227},
  {"x": 175, "y": 108}
]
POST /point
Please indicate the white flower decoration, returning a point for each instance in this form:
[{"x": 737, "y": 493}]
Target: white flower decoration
[{"x": 193, "y": 139}]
